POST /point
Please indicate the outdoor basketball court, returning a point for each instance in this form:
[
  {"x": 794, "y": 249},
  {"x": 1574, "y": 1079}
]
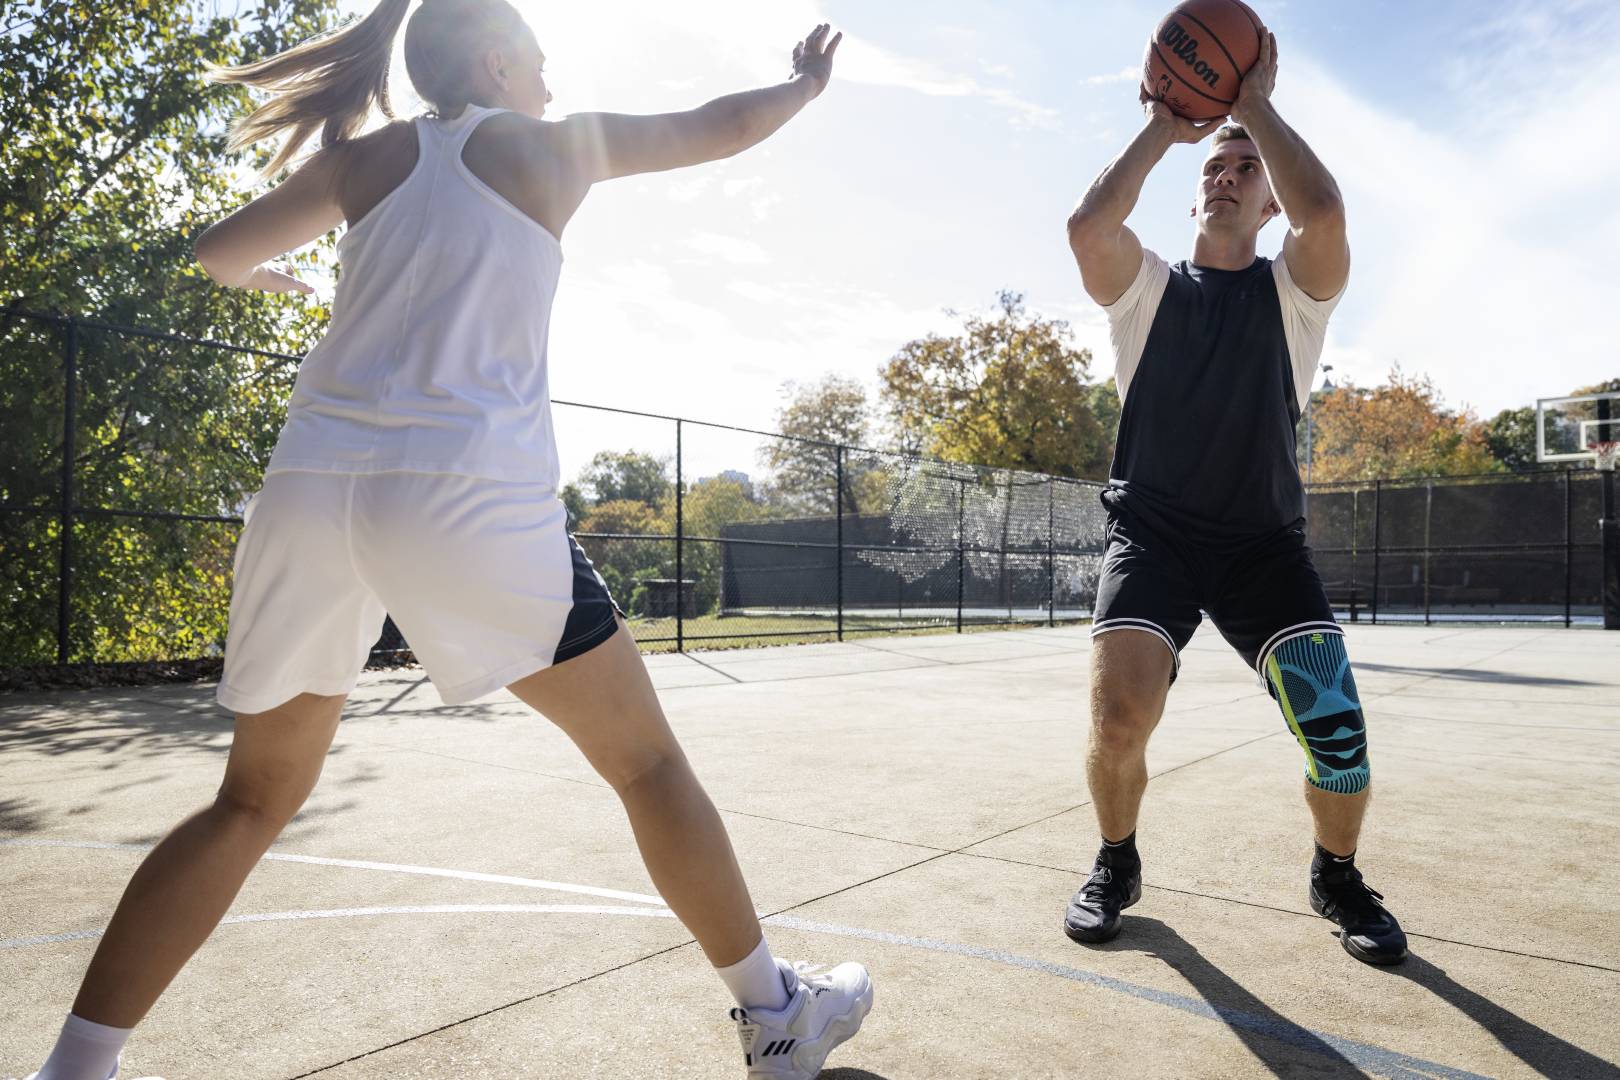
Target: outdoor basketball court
[{"x": 461, "y": 898}]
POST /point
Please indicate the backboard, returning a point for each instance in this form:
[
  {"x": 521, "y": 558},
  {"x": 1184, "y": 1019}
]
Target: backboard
[{"x": 1568, "y": 428}]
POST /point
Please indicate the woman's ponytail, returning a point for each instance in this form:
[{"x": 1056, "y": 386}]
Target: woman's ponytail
[{"x": 328, "y": 83}]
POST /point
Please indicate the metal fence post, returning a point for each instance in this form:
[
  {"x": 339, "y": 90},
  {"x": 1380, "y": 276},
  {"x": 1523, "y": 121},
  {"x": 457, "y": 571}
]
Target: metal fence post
[
  {"x": 1052, "y": 552},
  {"x": 839, "y": 499},
  {"x": 680, "y": 547},
  {"x": 961, "y": 547},
  {"x": 1355, "y": 526},
  {"x": 1569, "y": 554},
  {"x": 1609, "y": 554},
  {"x": 1428, "y": 518},
  {"x": 70, "y": 410},
  {"x": 1378, "y": 502}
]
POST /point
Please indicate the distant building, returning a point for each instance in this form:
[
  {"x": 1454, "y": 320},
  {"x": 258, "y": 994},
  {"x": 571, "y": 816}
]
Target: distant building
[{"x": 734, "y": 476}]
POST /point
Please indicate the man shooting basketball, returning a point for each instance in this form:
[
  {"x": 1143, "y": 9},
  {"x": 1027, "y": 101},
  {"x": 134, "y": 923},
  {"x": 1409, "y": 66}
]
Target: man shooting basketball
[{"x": 1214, "y": 358}]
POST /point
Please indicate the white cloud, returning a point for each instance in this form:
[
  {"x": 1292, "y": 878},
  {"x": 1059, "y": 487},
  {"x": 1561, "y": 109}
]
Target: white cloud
[
  {"x": 1475, "y": 260},
  {"x": 637, "y": 337},
  {"x": 736, "y": 187},
  {"x": 689, "y": 188},
  {"x": 731, "y": 249},
  {"x": 1124, "y": 75},
  {"x": 754, "y": 291},
  {"x": 875, "y": 66}
]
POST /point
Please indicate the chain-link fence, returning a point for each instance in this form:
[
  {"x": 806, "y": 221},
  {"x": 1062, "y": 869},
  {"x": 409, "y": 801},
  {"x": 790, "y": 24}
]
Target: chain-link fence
[
  {"x": 1500, "y": 547},
  {"x": 124, "y": 474}
]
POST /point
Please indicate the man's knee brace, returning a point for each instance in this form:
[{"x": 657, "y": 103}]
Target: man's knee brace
[{"x": 1310, "y": 677}]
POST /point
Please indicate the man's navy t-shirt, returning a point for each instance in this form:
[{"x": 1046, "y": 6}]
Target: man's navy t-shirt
[{"x": 1212, "y": 368}]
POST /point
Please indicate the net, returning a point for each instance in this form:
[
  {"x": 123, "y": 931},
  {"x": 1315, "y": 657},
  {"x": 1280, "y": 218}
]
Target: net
[{"x": 1604, "y": 454}]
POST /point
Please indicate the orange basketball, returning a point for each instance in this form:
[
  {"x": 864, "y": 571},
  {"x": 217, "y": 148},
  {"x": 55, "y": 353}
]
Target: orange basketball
[{"x": 1198, "y": 56}]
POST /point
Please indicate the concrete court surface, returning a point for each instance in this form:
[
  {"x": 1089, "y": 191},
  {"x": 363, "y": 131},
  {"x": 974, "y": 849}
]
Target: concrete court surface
[{"x": 461, "y": 897}]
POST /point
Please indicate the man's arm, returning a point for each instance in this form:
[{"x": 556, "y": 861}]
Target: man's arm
[
  {"x": 1315, "y": 249},
  {"x": 1109, "y": 254}
]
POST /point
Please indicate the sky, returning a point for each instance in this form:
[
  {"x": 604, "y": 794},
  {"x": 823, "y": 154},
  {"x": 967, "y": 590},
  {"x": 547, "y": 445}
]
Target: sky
[{"x": 1474, "y": 142}]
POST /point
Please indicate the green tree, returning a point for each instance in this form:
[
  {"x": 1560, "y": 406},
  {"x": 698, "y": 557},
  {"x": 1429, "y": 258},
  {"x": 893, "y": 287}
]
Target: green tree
[
  {"x": 615, "y": 475},
  {"x": 575, "y": 502},
  {"x": 708, "y": 507},
  {"x": 1008, "y": 391},
  {"x": 112, "y": 160},
  {"x": 1106, "y": 407},
  {"x": 1510, "y": 436},
  {"x": 803, "y": 467},
  {"x": 611, "y": 533}
]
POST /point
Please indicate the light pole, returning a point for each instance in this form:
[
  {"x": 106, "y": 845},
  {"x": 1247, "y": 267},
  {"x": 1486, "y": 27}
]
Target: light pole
[{"x": 1310, "y": 398}]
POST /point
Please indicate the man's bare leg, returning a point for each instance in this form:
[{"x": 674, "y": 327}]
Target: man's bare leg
[
  {"x": 1337, "y": 817},
  {"x": 1130, "y": 678}
]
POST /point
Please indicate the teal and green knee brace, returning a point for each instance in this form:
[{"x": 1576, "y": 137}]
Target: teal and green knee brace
[{"x": 1310, "y": 677}]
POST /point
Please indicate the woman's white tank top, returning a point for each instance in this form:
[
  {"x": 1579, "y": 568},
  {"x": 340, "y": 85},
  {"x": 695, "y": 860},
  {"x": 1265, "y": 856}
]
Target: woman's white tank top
[{"x": 435, "y": 359}]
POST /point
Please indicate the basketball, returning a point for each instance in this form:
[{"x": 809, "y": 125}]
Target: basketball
[{"x": 1198, "y": 56}]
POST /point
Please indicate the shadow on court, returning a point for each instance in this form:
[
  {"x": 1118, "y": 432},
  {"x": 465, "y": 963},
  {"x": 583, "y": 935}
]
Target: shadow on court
[
  {"x": 15, "y": 816},
  {"x": 1480, "y": 675},
  {"x": 116, "y": 727},
  {"x": 1538, "y": 1048},
  {"x": 1267, "y": 1033},
  {"x": 143, "y": 731}
]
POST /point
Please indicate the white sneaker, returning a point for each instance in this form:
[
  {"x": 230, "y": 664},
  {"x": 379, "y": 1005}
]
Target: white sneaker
[{"x": 791, "y": 1043}]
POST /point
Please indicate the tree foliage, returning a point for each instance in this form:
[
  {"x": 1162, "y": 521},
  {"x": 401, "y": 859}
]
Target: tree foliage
[
  {"x": 112, "y": 160},
  {"x": 1009, "y": 391},
  {"x": 615, "y": 475},
  {"x": 1510, "y": 436},
  {"x": 1401, "y": 428},
  {"x": 804, "y": 468}
]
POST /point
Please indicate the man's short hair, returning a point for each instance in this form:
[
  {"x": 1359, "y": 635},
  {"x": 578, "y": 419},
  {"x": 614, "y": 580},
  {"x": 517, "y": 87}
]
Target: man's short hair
[{"x": 1230, "y": 132}]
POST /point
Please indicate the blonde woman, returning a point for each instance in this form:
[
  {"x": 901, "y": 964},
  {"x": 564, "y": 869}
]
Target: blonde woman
[{"x": 417, "y": 474}]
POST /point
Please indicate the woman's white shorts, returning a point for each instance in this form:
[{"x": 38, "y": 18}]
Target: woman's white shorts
[{"x": 480, "y": 576}]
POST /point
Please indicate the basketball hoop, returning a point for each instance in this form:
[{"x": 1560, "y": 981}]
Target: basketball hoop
[{"x": 1604, "y": 455}]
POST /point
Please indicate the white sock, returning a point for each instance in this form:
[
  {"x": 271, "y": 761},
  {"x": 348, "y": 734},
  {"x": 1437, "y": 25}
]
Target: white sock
[
  {"x": 85, "y": 1051},
  {"x": 755, "y": 981}
]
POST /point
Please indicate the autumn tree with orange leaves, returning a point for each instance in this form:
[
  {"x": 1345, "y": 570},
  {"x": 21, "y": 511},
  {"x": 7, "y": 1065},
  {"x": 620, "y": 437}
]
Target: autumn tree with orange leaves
[{"x": 1402, "y": 428}]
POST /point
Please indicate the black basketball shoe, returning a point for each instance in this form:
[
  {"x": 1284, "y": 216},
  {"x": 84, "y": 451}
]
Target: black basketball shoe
[
  {"x": 1367, "y": 931},
  {"x": 1093, "y": 914}
]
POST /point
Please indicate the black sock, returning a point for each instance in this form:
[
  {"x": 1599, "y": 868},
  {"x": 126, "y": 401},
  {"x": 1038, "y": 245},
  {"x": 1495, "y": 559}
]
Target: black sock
[
  {"x": 1325, "y": 861},
  {"x": 1119, "y": 853}
]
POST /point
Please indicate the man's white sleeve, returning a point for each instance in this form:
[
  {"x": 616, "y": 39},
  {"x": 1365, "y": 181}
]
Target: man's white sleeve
[
  {"x": 1305, "y": 323},
  {"x": 1130, "y": 318}
]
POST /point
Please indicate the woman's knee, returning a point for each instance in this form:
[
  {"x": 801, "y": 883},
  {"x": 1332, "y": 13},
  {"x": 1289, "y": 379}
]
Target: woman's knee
[
  {"x": 268, "y": 800},
  {"x": 640, "y": 768},
  {"x": 276, "y": 759}
]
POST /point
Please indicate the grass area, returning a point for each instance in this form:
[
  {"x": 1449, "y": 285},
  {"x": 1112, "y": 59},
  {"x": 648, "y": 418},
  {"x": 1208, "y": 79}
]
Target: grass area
[{"x": 727, "y": 631}]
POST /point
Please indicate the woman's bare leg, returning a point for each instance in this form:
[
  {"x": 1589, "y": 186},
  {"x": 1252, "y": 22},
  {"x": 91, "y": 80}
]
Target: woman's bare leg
[
  {"x": 187, "y": 883},
  {"x": 605, "y": 702}
]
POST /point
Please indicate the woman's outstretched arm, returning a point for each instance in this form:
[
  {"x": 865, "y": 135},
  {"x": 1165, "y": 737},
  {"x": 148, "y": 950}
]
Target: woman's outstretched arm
[{"x": 601, "y": 146}]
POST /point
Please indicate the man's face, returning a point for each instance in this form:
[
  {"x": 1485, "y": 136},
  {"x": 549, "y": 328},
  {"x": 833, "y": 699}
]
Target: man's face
[{"x": 1234, "y": 193}]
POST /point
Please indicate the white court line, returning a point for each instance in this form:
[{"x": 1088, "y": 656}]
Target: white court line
[
  {"x": 353, "y": 913},
  {"x": 391, "y": 868},
  {"x": 1371, "y": 1057}
]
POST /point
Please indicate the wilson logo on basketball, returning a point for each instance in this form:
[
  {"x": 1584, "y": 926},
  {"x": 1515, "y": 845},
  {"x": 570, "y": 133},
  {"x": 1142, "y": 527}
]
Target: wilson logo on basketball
[{"x": 1185, "y": 48}]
